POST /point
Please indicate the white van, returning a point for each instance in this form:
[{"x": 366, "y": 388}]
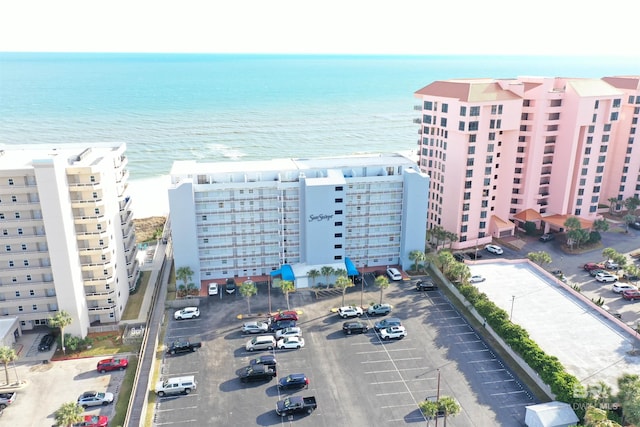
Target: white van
[
  {"x": 394, "y": 274},
  {"x": 176, "y": 385},
  {"x": 213, "y": 289},
  {"x": 261, "y": 342}
]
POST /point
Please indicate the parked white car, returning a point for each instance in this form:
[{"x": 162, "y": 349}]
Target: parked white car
[
  {"x": 393, "y": 332},
  {"x": 293, "y": 331},
  {"x": 494, "y": 249},
  {"x": 619, "y": 287},
  {"x": 606, "y": 277},
  {"x": 350, "y": 311},
  {"x": 291, "y": 342},
  {"x": 187, "y": 313},
  {"x": 476, "y": 279}
]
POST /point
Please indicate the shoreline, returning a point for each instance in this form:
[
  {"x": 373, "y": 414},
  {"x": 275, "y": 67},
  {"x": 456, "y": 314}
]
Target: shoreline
[{"x": 149, "y": 196}]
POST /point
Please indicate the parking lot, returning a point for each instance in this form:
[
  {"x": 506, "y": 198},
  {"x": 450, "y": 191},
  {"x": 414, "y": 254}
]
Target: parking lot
[
  {"x": 52, "y": 384},
  {"x": 356, "y": 378}
]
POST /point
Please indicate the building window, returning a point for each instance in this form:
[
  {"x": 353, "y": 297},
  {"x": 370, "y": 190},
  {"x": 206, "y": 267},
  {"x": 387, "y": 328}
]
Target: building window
[
  {"x": 426, "y": 118},
  {"x": 428, "y": 105},
  {"x": 20, "y": 308},
  {"x": 28, "y": 277},
  {"x": 8, "y": 248},
  {"x": 92, "y": 178},
  {"x": 338, "y": 200},
  {"x": 339, "y": 188},
  {"x": 463, "y": 110},
  {"x": 11, "y": 263},
  {"x": 472, "y": 137},
  {"x": 616, "y": 103},
  {"x": 473, "y": 126},
  {"x": 461, "y": 126},
  {"x": 14, "y": 199},
  {"x": 467, "y": 184},
  {"x": 205, "y": 240},
  {"x": 100, "y": 242},
  {"x": 32, "y": 292},
  {"x": 337, "y": 246},
  {"x": 556, "y": 102},
  {"x": 17, "y": 293},
  {"x": 17, "y": 215},
  {"x": 25, "y": 262},
  {"x": 337, "y": 223},
  {"x": 338, "y": 212},
  {"x": 24, "y": 247},
  {"x": 474, "y": 111},
  {"x": 492, "y": 136},
  {"x": 337, "y": 235},
  {"x": 465, "y": 207},
  {"x": 467, "y": 196},
  {"x": 471, "y": 150},
  {"x": 554, "y": 116},
  {"x": 465, "y": 218},
  {"x": 20, "y": 231},
  {"x": 204, "y": 217},
  {"x": 614, "y": 116},
  {"x": 34, "y": 307}
]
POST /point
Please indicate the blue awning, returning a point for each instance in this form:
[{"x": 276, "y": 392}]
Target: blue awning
[
  {"x": 351, "y": 268},
  {"x": 286, "y": 272}
]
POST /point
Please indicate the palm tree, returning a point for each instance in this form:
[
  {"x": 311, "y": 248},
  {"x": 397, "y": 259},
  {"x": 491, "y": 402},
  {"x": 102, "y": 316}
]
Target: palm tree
[
  {"x": 600, "y": 392},
  {"x": 343, "y": 283},
  {"x": 540, "y": 257},
  {"x": 628, "y": 219},
  {"x": 326, "y": 271},
  {"x": 247, "y": 290},
  {"x": 449, "y": 406},
  {"x": 61, "y": 320},
  {"x": 613, "y": 201},
  {"x": 417, "y": 256},
  {"x": 338, "y": 272},
  {"x": 287, "y": 286},
  {"x": 184, "y": 274},
  {"x": 313, "y": 274},
  {"x": 69, "y": 413},
  {"x": 383, "y": 283},
  {"x": 632, "y": 204},
  {"x": 7, "y": 355},
  {"x": 429, "y": 409}
]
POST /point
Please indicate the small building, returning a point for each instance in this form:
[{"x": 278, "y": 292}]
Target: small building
[
  {"x": 550, "y": 414},
  {"x": 9, "y": 331}
]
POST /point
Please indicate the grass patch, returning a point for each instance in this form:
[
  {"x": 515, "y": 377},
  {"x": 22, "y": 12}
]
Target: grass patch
[
  {"x": 155, "y": 376},
  {"x": 125, "y": 393},
  {"x": 103, "y": 344},
  {"x": 171, "y": 285},
  {"x": 132, "y": 310}
]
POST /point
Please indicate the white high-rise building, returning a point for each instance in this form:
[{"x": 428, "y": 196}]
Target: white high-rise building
[
  {"x": 248, "y": 219},
  {"x": 67, "y": 235}
]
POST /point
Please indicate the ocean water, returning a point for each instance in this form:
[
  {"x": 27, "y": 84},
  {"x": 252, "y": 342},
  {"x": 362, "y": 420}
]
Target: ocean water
[{"x": 169, "y": 107}]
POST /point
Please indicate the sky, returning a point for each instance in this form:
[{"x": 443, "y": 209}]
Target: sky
[{"x": 414, "y": 27}]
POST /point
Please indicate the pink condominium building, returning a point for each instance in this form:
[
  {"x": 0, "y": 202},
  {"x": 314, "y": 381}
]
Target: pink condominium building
[{"x": 501, "y": 152}]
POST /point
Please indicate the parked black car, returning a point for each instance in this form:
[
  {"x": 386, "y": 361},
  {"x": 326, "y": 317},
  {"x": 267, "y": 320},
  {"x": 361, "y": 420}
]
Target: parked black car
[
  {"x": 46, "y": 342},
  {"x": 473, "y": 255},
  {"x": 459, "y": 256},
  {"x": 230, "y": 286},
  {"x": 354, "y": 327},
  {"x": 184, "y": 346},
  {"x": 293, "y": 381},
  {"x": 426, "y": 285},
  {"x": 267, "y": 360},
  {"x": 257, "y": 373}
]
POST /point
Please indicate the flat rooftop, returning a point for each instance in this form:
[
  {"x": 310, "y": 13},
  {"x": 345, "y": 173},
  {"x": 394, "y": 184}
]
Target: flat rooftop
[{"x": 589, "y": 344}]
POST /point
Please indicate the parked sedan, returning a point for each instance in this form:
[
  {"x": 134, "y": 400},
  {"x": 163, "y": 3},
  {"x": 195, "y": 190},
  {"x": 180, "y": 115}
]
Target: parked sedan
[
  {"x": 113, "y": 364},
  {"x": 606, "y": 277},
  {"x": 93, "y": 398},
  {"x": 290, "y": 342},
  {"x": 187, "y": 313},
  {"x": 293, "y": 381},
  {"x": 285, "y": 315},
  {"x": 593, "y": 273},
  {"x": 46, "y": 342},
  {"x": 354, "y": 326},
  {"x": 621, "y": 287},
  {"x": 385, "y": 323},
  {"x": 546, "y": 237},
  {"x": 426, "y": 285},
  {"x": 494, "y": 249},
  {"x": 257, "y": 373},
  {"x": 254, "y": 327},
  {"x": 593, "y": 266},
  {"x": 289, "y": 332},
  {"x": 631, "y": 295},
  {"x": 630, "y": 277},
  {"x": 379, "y": 310},
  {"x": 93, "y": 421},
  {"x": 267, "y": 360}
]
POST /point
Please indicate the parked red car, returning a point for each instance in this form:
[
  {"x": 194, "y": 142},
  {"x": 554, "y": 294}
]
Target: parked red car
[
  {"x": 631, "y": 294},
  {"x": 285, "y": 315},
  {"x": 93, "y": 421},
  {"x": 113, "y": 364},
  {"x": 593, "y": 266}
]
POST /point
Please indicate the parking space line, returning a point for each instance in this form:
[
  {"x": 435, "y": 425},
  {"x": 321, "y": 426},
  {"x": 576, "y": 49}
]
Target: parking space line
[
  {"x": 182, "y": 374},
  {"x": 421, "y": 392},
  {"x": 489, "y": 371},
  {"x": 177, "y": 409},
  {"x": 385, "y": 351},
  {"x": 498, "y": 382},
  {"x": 388, "y": 360},
  {"x": 177, "y": 422},
  {"x": 399, "y": 381},
  {"x": 399, "y": 406},
  {"x": 481, "y": 361},
  {"x": 468, "y": 342},
  {"x": 474, "y": 351},
  {"x": 507, "y": 393},
  {"x": 422, "y": 368}
]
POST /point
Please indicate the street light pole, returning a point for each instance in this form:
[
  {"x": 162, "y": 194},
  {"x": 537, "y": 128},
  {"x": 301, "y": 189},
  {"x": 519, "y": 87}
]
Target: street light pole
[
  {"x": 513, "y": 298},
  {"x": 269, "y": 293},
  {"x": 361, "y": 290},
  {"x": 438, "y": 396}
]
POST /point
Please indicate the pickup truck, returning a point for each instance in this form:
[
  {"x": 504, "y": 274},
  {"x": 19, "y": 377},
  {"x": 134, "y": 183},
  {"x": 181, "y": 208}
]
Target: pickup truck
[
  {"x": 6, "y": 399},
  {"x": 185, "y": 346},
  {"x": 296, "y": 404}
]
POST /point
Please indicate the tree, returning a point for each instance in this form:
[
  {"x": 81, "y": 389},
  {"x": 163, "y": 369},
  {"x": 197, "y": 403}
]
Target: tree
[
  {"x": 628, "y": 219},
  {"x": 629, "y": 397},
  {"x": 184, "y": 274},
  {"x": 7, "y": 355},
  {"x": 601, "y": 225},
  {"x": 247, "y": 290},
  {"x": 69, "y": 413},
  {"x": 445, "y": 258},
  {"x": 343, "y": 283},
  {"x": 596, "y": 417},
  {"x": 383, "y": 283},
  {"x": 600, "y": 393},
  {"x": 61, "y": 320},
  {"x": 459, "y": 271},
  {"x": 287, "y": 286},
  {"x": 429, "y": 409},
  {"x": 449, "y": 406},
  {"x": 340, "y": 272},
  {"x": 632, "y": 204},
  {"x": 530, "y": 228},
  {"x": 313, "y": 274},
  {"x": 613, "y": 202},
  {"x": 417, "y": 256},
  {"x": 540, "y": 257},
  {"x": 609, "y": 253},
  {"x": 326, "y": 271},
  {"x": 452, "y": 237}
]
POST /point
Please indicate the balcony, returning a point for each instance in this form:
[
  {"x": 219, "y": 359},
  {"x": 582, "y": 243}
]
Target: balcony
[
  {"x": 98, "y": 281},
  {"x": 96, "y": 296},
  {"x": 101, "y": 310},
  {"x": 418, "y": 121},
  {"x": 417, "y": 107}
]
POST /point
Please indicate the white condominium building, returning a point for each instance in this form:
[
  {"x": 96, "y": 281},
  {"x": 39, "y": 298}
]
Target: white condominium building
[
  {"x": 67, "y": 235},
  {"x": 244, "y": 219}
]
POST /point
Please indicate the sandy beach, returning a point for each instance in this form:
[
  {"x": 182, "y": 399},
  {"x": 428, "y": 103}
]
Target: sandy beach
[{"x": 149, "y": 196}]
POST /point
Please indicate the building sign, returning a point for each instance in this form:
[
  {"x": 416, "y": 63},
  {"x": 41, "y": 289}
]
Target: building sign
[{"x": 319, "y": 218}]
